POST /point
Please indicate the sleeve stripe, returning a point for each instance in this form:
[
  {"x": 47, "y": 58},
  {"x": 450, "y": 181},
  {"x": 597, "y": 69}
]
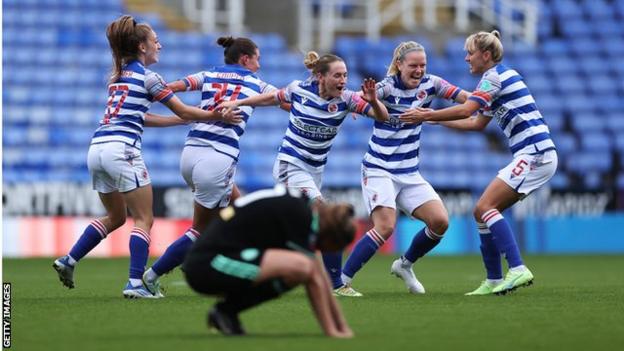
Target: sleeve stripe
[
  {"x": 450, "y": 91},
  {"x": 485, "y": 96},
  {"x": 361, "y": 106},
  {"x": 191, "y": 82},
  {"x": 481, "y": 101},
  {"x": 165, "y": 94},
  {"x": 456, "y": 93}
]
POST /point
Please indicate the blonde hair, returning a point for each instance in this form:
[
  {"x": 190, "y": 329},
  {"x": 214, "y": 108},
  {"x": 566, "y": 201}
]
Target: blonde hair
[
  {"x": 319, "y": 64},
  {"x": 124, "y": 36},
  {"x": 399, "y": 54},
  {"x": 484, "y": 41}
]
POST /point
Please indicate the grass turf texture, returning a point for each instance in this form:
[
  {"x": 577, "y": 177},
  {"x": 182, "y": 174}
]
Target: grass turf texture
[{"x": 576, "y": 303}]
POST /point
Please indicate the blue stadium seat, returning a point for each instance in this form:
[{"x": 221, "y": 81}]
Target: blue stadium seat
[
  {"x": 586, "y": 122},
  {"x": 538, "y": 83},
  {"x": 615, "y": 122},
  {"x": 602, "y": 85},
  {"x": 593, "y": 181},
  {"x": 555, "y": 120},
  {"x": 580, "y": 46},
  {"x": 592, "y": 65},
  {"x": 569, "y": 84},
  {"x": 559, "y": 181},
  {"x": 567, "y": 10},
  {"x": 577, "y": 29},
  {"x": 619, "y": 143},
  {"x": 554, "y": 47},
  {"x": 598, "y": 11},
  {"x": 587, "y": 162},
  {"x": 596, "y": 141},
  {"x": 562, "y": 66}
]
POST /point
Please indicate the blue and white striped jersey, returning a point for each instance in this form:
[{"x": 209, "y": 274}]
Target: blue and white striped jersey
[
  {"x": 129, "y": 99},
  {"x": 314, "y": 122},
  {"x": 503, "y": 95},
  {"x": 394, "y": 146},
  {"x": 229, "y": 82}
]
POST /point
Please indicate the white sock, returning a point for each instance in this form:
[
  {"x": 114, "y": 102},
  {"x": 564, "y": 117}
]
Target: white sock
[
  {"x": 405, "y": 263},
  {"x": 71, "y": 260},
  {"x": 520, "y": 268},
  {"x": 494, "y": 281},
  {"x": 150, "y": 275},
  {"x": 135, "y": 282},
  {"x": 346, "y": 280}
]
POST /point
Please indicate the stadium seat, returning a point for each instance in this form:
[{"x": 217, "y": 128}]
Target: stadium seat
[{"x": 587, "y": 162}]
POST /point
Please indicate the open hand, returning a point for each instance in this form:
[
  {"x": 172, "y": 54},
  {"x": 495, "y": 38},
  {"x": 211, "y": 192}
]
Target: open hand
[
  {"x": 369, "y": 90},
  {"x": 415, "y": 115},
  {"x": 230, "y": 115}
]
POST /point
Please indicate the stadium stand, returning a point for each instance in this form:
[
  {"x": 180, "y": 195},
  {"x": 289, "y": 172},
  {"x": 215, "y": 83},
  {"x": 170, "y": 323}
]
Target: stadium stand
[{"x": 56, "y": 60}]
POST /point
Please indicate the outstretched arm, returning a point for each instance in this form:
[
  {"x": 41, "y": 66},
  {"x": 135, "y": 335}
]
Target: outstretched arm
[
  {"x": 190, "y": 113},
  {"x": 462, "y": 111},
  {"x": 477, "y": 123},
  {"x": 152, "y": 120},
  {"x": 177, "y": 86},
  {"x": 266, "y": 99}
]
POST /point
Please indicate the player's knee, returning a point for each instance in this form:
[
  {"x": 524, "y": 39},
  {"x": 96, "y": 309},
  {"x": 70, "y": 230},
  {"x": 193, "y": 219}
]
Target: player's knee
[
  {"x": 480, "y": 209},
  {"x": 117, "y": 220},
  {"x": 145, "y": 222},
  {"x": 438, "y": 224},
  {"x": 385, "y": 229}
]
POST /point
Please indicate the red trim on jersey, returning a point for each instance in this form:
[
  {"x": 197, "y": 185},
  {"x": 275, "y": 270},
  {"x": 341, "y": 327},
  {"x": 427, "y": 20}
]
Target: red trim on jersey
[
  {"x": 163, "y": 94},
  {"x": 482, "y": 94},
  {"x": 449, "y": 93},
  {"x": 192, "y": 83}
]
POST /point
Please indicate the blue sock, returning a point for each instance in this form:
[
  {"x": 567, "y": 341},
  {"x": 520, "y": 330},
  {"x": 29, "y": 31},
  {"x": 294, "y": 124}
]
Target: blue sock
[
  {"x": 92, "y": 235},
  {"x": 490, "y": 253},
  {"x": 362, "y": 252},
  {"x": 175, "y": 253},
  {"x": 503, "y": 237},
  {"x": 333, "y": 262},
  {"x": 424, "y": 241},
  {"x": 139, "y": 250}
]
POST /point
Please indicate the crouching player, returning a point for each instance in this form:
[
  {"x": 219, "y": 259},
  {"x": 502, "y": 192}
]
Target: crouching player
[{"x": 262, "y": 246}]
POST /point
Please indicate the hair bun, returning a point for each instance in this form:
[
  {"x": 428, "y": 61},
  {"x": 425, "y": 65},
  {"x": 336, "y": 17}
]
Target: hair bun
[
  {"x": 311, "y": 59},
  {"x": 496, "y": 34},
  {"x": 226, "y": 42}
]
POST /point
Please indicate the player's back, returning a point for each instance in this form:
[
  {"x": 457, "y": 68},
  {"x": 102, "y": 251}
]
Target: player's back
[
  {"x": 516, "y": 112},
  {"x": 224, "y": 83},
  {"x": 268, "y": 218},
  {"x": 130, "y": 97}
]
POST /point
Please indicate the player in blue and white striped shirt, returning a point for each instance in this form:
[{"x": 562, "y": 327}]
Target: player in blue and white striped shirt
[
  {"x": 319, "y": 106},
  {"x": 501, "y": 95},
  {"x": 208, "y": 161},
  {"x": 114, "y": 159},
  {"x": 390, "y": 176}
]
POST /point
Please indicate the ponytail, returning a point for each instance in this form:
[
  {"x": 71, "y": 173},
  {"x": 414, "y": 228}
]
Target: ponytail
[{"x": 124, "y": 36}]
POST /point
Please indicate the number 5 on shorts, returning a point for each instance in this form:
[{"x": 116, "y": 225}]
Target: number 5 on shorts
[{"x": 519, "y": 167}]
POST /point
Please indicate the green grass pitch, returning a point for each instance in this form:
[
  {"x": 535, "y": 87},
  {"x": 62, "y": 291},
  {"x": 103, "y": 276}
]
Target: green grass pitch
[{"x": 576, "y": 303}]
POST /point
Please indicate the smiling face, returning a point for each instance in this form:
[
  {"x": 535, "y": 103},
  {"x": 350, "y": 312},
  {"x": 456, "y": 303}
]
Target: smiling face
[
  {"x": 334, "y": 82},
  {"x": 478, "y": 61},
  {"x": 150, "y": 49},
  {"x": 412, "y": 68}
]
